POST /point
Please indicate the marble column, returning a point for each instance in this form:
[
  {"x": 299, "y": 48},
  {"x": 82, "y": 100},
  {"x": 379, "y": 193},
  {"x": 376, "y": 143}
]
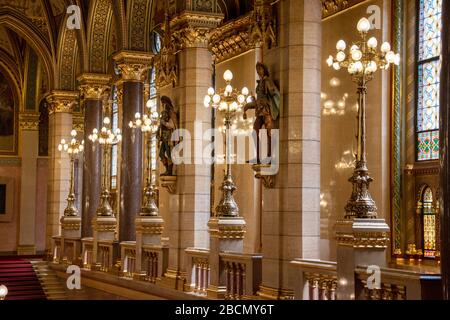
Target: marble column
[
  {"x": 291, "y": 210},
  {"x": 60, "y": 124},
  {"x": 29, "y": 130},
  {"x": 94, "y": 88},
  {"x": 134, "y": 68},
  {"x": 445, "y": 160},
  {"x": 189, "y": 205}
]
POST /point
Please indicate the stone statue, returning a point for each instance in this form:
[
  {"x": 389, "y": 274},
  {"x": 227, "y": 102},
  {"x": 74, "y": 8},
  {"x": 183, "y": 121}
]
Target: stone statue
[
  {"x": 168, "y": 124},
  {"x": 266, "y": 105}
]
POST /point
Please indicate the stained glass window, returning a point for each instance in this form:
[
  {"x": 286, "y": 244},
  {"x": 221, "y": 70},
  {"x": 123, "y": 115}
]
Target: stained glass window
[
  {"x": 428, "y": 71},
  {"x": 153, "y": 106},
  {"x": 429, "y": 224}
]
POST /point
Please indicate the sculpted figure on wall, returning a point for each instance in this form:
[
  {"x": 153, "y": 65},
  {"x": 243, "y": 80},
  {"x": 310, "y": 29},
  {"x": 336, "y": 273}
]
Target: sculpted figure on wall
[
  {"x": 168, "y": 125},
  {"x": 266, "y": 105}
]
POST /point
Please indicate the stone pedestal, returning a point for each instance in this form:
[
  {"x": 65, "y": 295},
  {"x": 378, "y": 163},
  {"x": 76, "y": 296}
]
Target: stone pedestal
[
  {"x": 226, "y": 234},
  {"x": 359, "y": 242},
  {"x": 71, "y": 230},
  {"x": 148, "y": 231},
  {"x": 104, "y": 228}
]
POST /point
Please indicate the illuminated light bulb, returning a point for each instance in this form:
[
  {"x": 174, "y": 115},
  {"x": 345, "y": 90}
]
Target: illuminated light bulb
[
  {"x": 229, "y": 88},
  {"x": 106, "y": 120},
  {"x": 363, "y": 25},
  {"x": 207, "y": 101},
  {"x": 66, "y": 147},
  {"x": 211, "y": 91},
  {"x": 60, "y": 147},
  {"x": 70, "y": 151},
  {"x": 249, "y": 99},
  {"x": 245, "y": 91},
  {"x": 95, "y": 136},
  {"x": 137, "y": 115},
  {"x": 138, "y": 122},
  {"x": 356, "y": 55},
  {"x": 95, "y": 131},
  {"x": 63, "y": 141},
  {"x": 73, "y": 133},
  {"x": 341, "y": 45},
  {"x": 372, "y": 43},
  {"x": 81, "y": 147},
  {"x": 223, "y": 106},
  {"x": 241, "y": 99},
  {"x": 228, "y": 76},
  {"x": 147, "y": 122},
  {"x": 330, "y": 61},
  {"x": 390, "y": 57},
  {"x": 358, "y": 66},
  {"x": 149, "y": 104},
  {"x": 104, "y": 130},
  {"x": 155, "y": 115},
  {"x": 73, "y": 141},
  {"x": 354, "y": 47},
  {"x": 336, "y": 66},
  {"x": 340, "y": 56},
  {"x": 397, "y": 59},
  {"x": 216, "y": 98},
  {"x": 118, "y": 131},
  {"x": 119, "y": 137},
  {"x": 234, "y": 106},
  {"x": 385, "y": 47}
]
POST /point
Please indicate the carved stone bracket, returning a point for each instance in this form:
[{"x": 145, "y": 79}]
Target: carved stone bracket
[
  {"x": 94, "y": 86},
  {"x": 331, "y": 7},
  {"x": 262, "y": 173},
  {"x": 62, "y": 101},
  {"x": 169, "y": 182},
  {"x": 133, "y": 64}
]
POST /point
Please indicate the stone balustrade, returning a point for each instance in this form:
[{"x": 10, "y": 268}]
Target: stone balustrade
[
  {"x": 198, "y": 270},
  {"x": 87, "y": 250},
  {"x": 56, "y": 249},
  {"x": 106, "y": 255},
  {"x": 316, "y": 279},
  {"x": 396, "y": 284},
  {"x": 128, "y": 258},
  {"x": 154, "y": 262},
  {"x": 243, "y": 274}
]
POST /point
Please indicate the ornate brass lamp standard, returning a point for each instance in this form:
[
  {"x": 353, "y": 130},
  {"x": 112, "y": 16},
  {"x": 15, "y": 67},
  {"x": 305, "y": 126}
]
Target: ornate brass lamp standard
[
  {"x": 106, "y": 137},
  {"x": 73, "y": 148},
  {"x": 228, "y": 101},
  {"x": 361, "y": 63},
  {"x": 148, "y": 124}
]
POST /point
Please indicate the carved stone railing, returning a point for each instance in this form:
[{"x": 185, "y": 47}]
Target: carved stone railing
[
  {"x": 316, "y": 279},
  {"x": 106, "y": 255},
  {"x": 128, "y": 258},
  {"x": 56, "y": 249},
  {"x": 87, "y": 251},
  {"x": 198, "y": 270},
  {"x": 154, "y": 262},
  {"x": 396, "y": 284},
  {"x": 243, "y": 274},
  {"x": 71, "y": 250}
]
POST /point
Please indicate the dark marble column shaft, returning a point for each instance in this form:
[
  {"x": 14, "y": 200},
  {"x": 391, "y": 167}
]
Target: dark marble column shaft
[
  {"x": 131, "y": 166},
  {"x": 92, "y": 165},
  {"x": 445, "y": 156}
]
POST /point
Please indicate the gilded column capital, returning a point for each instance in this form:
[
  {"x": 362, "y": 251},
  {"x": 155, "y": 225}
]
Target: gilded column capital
[
  {"x": 29, "y": 121},
  {"x": 94, "y": 86},
  {"x": 133, "y": 64},
  {"x": 61, "y": 101},
  {"x": 193, "y": 29}
]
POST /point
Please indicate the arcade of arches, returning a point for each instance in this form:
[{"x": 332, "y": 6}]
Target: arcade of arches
[{"x": 124, "y": 208}]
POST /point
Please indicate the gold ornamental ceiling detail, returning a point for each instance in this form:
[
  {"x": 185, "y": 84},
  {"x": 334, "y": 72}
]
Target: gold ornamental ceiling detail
[{"x": 331, "y": 7}]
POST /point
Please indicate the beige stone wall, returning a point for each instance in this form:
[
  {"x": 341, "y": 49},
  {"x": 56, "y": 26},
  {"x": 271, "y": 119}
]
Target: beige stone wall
[{"x": 338, "y": 130}]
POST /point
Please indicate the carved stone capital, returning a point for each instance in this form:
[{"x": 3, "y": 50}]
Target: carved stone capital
[
  {"x": 193, "y": 29},
  {"x": 262, "y": 172},
  {"x": 169, "y": 182},
  {"x": 62, "y": 101},
  {"x": 78, "y": 122},
  {"x": 94, "y": 86},
  {"x": 362, "y": 233},
  {"x": 331, "y": 7},
  {"x": 149, "y": 225},
  {"x": 29, "y": 121},
  {"x": 104, "y": 224},
  {"x": 133, "y": 64}
]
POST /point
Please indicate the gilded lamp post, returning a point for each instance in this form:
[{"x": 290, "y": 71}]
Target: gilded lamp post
[
  {"x": 228, "y": 101},
  {"x": 73, "y": 148},
  {"x": 362, "y": 61},
  {"x": 106, "y": 137},
  {"x": 148, "y": 124}
]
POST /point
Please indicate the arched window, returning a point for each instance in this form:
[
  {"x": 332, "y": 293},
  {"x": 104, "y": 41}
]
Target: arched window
[
  {"x": 114, "y": 125},
  {"x": 428, "y": 78},
  {"x": 429, "y": 224},
  {"x": 152, "y": 104}
]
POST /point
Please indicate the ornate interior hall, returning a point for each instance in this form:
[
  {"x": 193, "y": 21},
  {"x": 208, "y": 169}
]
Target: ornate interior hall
[{"x": 224, "y": 149}]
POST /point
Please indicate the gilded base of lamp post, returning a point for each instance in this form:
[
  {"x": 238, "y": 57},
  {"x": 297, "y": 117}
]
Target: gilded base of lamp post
[
  {"x": 227, "y": 206},
  {"x": 105, "y": 209},
  {"x": 71, "y": 210},
  {"x": 149, "y": 206},
  {"x": 262, "y": 173}
]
